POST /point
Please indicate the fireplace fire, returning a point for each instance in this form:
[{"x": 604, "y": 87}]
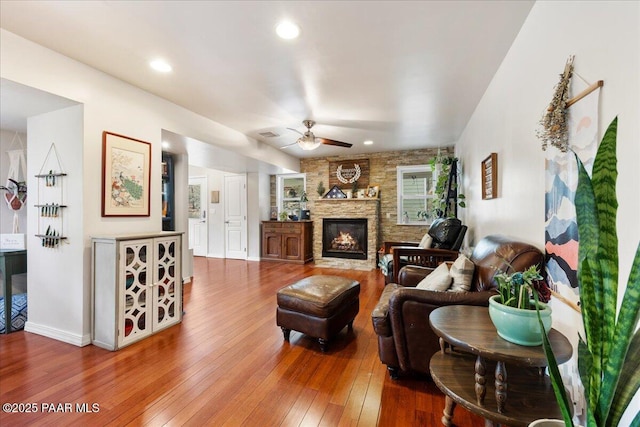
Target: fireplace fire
[{"x": 344, "y": 238}]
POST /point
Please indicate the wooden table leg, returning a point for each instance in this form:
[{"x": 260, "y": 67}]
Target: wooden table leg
[
  {"x": 501, "y": 386},
  {"x": 447, "y": 414},
  {"x": 481, "y": 381}
]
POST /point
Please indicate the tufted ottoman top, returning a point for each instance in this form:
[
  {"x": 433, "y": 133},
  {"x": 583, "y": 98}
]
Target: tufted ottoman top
[{"x": 320, "y": 296}]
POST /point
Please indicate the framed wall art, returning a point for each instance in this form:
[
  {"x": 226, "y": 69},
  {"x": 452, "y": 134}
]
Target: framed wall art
[
  {"x": 372, "y": 191},
  {"x": 490, "y": 177},
  {"x": 126, "y": 176}
]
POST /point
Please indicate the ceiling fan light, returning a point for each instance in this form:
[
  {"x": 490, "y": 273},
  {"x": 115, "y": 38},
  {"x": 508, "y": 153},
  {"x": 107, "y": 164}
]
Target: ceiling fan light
[{"x": 308, "y": 144}]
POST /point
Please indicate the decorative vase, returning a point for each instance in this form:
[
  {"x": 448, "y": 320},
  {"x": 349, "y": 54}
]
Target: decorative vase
[
  {"x": 518, "y": 325},
  {"x": 546, "y": 422}
]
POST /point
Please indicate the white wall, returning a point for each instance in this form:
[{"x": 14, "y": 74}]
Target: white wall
[
  {"x": 263, "y": 210},
  {"x": 58, "y": 296},
  {"x": 112, "y": 105},
  {"x": 9, "y": 140},
  {"x": 604, "y": 36},
  {"x": 180, "y": 182},
  {"x": 258, "y": 209}
]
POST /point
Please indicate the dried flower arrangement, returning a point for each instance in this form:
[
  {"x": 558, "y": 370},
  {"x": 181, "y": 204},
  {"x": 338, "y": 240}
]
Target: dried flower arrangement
[{"x": 554, "y": 120}]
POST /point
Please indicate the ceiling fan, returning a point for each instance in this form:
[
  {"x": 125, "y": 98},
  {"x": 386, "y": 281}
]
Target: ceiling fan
[{"x": 308, "y": 141}]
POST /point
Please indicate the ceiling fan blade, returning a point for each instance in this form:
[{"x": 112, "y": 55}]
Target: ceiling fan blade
[
  {"x": 334, "y": 142},
  {"x": 296, "y": 130},
  {"x": 288, "y": 145}
]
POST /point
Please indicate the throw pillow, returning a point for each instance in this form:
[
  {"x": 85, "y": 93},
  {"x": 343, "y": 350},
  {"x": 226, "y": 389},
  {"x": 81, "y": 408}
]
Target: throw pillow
[
  {"x": 438, "y": 280},
  {"x": 426, "y": 241},
  {"x": 462, "y": 274}
]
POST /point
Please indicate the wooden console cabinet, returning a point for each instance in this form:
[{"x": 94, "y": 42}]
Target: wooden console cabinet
[
  {"x": 137, "y": 286},
  {"x": 287, "y": 241}
]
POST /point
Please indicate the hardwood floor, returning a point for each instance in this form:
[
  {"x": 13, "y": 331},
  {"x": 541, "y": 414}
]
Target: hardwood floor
[{"x": 226, "y": 364}]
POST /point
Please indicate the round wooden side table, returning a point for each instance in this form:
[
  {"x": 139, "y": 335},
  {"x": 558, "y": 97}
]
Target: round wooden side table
[{"x": 522, "y": 394}]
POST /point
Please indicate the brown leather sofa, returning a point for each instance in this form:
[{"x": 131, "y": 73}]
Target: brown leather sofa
[{"x": 401, "y": 317}]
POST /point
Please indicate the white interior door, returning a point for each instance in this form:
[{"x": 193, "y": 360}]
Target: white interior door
[
  {"x": 198, "y": 222},
  {"x": 235, "y": 216}
]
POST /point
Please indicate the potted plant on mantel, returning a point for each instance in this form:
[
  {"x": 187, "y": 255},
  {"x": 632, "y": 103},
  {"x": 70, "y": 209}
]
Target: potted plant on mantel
[
  {"x": 513, "y": 310},
  {"x": 609, "y": 353}
]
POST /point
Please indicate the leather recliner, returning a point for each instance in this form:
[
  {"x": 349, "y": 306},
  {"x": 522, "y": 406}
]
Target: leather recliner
[
  {"x": 447, "y": 235},
  {"x": 401, "y": 317}
]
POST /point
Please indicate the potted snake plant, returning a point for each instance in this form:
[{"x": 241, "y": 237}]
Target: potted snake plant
[{"x": 609, "y": 353}]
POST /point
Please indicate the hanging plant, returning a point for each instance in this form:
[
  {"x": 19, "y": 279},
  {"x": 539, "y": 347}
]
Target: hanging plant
[
  {"x": 554, "y": 121},
  {"x": 441, "y": 166}
]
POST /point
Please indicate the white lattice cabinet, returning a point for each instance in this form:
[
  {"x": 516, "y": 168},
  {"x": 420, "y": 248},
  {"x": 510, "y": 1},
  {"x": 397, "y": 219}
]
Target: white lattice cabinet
[{"x": 137, "y": 287}]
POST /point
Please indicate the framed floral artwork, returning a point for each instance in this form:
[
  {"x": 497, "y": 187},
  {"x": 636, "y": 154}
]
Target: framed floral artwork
[{"x": 126, "y": 176}]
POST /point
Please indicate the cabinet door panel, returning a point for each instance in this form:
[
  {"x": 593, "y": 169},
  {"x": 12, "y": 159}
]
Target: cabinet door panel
[
  {"x": 135, "y": 267},
  {"x": 271, "y": 245},
  {"x": 167, "y": 299},
  {"x": 291, "y": 246}
]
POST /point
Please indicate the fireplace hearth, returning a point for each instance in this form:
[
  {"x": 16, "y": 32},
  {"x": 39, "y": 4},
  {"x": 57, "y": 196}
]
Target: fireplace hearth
[{"x": 344, "y": 238}]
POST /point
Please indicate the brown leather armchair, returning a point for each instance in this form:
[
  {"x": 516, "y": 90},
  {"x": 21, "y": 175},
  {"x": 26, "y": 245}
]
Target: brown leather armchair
[
  {"x": 401, "y": 317},
  {"x": 447, "y": 235}
]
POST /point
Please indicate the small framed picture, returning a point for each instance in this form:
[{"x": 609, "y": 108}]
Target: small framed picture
[
  {"x": 490, "y": 177},
  {"x": 274, "y": 213},
  {"x": 372, "y": 191}
]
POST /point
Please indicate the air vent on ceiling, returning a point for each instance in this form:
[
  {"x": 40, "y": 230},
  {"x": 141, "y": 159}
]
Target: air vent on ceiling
[{"x": 269, "y": 134}]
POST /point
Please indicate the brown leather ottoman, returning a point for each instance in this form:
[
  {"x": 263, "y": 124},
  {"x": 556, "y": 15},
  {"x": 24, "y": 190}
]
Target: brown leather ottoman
[{"x": 318, "y": 306}]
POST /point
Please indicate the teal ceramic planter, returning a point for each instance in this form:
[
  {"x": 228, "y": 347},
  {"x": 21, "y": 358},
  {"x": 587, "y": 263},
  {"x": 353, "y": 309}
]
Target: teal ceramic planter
[{"x": 517, "y": 325}]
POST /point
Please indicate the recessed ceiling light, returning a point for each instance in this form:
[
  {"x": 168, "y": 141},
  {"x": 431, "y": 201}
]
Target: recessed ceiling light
[
  {"x": 165, "y": 144},
  {"x": 160, "y": 65},
  {"x": 368, "y": 142},
  {"x": 287, "y": 30}
]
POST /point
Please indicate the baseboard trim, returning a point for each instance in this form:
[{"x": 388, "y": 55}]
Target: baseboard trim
[{"x": 58, "y": 334}]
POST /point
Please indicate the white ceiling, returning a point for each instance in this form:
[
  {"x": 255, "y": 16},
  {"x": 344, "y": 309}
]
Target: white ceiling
[{"x": 403, "y": 74}]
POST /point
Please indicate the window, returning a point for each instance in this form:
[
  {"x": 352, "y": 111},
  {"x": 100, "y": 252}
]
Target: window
[
  {"x": 289, "y": 189},
  {"x": 415, "y": 194}
]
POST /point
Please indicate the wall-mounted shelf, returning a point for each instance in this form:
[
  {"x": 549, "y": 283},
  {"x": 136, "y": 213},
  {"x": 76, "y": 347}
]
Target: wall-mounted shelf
[
  {"x": 49, "y": 241},
  {"x": 50, "y": 200},
  {"x": 50, "y": 175}
]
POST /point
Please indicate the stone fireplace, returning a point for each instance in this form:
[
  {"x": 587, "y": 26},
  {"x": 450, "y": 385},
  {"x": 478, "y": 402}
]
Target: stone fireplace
[
  {"x": 344, "y": 238},
  {"x": 366, "y": 210}
]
